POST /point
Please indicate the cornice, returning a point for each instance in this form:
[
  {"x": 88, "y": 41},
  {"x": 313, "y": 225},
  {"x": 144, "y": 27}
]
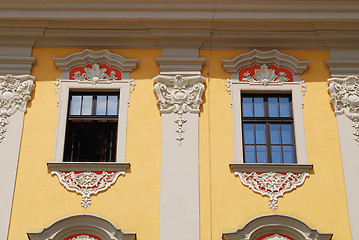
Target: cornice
[
  {"x": 343, "y": 67},
  {"x": 16, "y": 65}
]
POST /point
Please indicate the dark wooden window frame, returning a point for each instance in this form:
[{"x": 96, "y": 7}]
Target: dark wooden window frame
[
  {"x": 268, "y": 120},
  {"x": 95, "y": 120}
]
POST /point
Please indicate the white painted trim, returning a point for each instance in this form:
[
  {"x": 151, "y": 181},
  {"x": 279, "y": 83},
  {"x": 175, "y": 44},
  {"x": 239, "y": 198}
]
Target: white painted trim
[
  {"x": 15, "y": 92},
  {"x": 281, "y": 224},
  {"x": 84, "y": 223},
  {"x": 88, "y": 166},
  {"x": 81, "y": 59},
  {"x": 258, "y": 57},
  {"x": 257, "y": 167},
  {"x": 16, "y": 65},
  {"x": 121, "y": 86},
  {"x": 294, "y": 88}
]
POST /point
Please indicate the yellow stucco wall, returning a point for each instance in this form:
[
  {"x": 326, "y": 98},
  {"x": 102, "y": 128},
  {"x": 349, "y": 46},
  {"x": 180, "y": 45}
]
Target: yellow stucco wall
[{"x": 132, "y": 204}]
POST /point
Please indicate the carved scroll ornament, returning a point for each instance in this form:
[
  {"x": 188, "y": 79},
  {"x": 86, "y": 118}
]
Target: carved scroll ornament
[
  {"x": 87, "y": 183},
  {"x": 15, "y": 92},
  {"x": 265, "y": 76},
  {"x": 94, "y": 74},
  {"x": 272, "y": 184},
  {"x": 83, "y": 237},
  {"x": 344, "y": 95},
  {"x": 179, "y": 95}
]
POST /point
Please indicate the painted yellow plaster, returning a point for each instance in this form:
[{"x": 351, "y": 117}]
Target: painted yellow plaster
[{"x": 132, "y": 204}]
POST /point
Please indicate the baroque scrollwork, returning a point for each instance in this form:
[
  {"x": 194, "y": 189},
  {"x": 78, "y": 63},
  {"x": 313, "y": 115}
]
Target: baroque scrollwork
[
  {"x": 87, "y": 183},
  {"x": 276, "y": 237},
  {"x": 15, "y": 92},
  {"x": 344, "y": 95},
  {"x": 265, "y": 76},
  {"x": 179, "y": 95},
  {"x": 95, "y": 74},
  {"x": 272, "y": 184},
  {"x": 83, "y": 237}
]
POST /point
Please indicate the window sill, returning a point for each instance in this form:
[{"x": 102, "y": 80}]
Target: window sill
[
  {"x": 88, "y": 166},
  {"x": 270, "y": 167}
]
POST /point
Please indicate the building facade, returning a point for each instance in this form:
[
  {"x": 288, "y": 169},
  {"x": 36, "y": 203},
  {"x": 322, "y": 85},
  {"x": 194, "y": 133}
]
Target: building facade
[{"x": 213, "y": 120}]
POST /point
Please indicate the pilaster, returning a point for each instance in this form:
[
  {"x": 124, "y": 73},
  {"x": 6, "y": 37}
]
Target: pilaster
[{"x": 179, "y": 91}]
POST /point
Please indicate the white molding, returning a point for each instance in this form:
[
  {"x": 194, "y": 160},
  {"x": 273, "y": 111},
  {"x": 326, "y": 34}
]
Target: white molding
[
  {"x": 344, "y": 95},
  {"x": 15, "y": 92},
  {"x": 272, "y": 184},
  {"x": 84, "y": 223},
  {"x": 16, "y": 65},
  {"x": 179, "y": 95},
  {"x": 81, "y": 59},
  {"x": 258, "y": 167},
  {"x": 88, "y": 166},
  {"x": 87, "y": 183},
  {"x": 280, "y": 224},
  {"x": 270, "y": 57},
  {"x": 66, "y": 85},
  {"x": 295, "y": 88},
  {"x": 343, "y": 67}
]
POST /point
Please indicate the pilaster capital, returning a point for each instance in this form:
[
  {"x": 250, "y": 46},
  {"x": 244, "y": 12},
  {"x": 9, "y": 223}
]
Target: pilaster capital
[
  {"x": 344, "y": 95},
  {"x": 15, "y": 92}
]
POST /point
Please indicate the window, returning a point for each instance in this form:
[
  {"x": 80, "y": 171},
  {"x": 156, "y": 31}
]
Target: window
[
  {"x": 267, "y": 123},
  {"x": 91, "y": 129}
]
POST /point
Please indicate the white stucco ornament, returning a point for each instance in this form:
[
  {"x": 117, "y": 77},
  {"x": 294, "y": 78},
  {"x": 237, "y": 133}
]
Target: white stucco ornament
[
  {"x": 94, "y": 74},
  {"x": 344, "y": 95},
  {"x": 15, "y": 92},
  {"x": 265, "y": 76},
  {"x": 272, "y": 184},
  {"x": 87, "y": 183},
  {"x": 83, "y": 237},
  {"x": 179, "y": 95},
  {"x": 276, "y": 237}
]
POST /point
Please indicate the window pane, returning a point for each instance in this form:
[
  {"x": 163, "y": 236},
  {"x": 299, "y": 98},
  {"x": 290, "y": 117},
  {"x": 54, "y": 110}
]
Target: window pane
[
  {"x": 288, "y": 154},
  {"x": 275, "y": 133},
  {"x": 247, "y": 107},
  {"x": 112, "y": 105},
  {"x": 284, "y": 107},
  {"x": 261, "y": 154},
  {"x": 258, "y": 107},
  {"x": 273, "y": 107},
  {"x": 101, "y": 105},
  {"x": 286, "y": 134},
  {"x": 276, "y": 154},
  {"x": 248, "y": 133},
  {"x": 86, "y": 105},
  {"x": 249, "y": 154},
  {"x": 260, "y": 134},
  {"x": 75, "y": 105}
]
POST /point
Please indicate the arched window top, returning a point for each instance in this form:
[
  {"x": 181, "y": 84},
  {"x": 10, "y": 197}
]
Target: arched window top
[
  {"x": 268, "y": 62},
  {"x": 276, "y": 227},
  {"x": 82, "y": 227}
]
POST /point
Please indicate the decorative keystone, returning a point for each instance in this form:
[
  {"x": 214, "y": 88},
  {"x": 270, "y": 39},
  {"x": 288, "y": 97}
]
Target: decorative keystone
[
  {"x": 344, "y": 95},
  {"x": 15, "y": 92},
  {"x": 179, "y": 95}
]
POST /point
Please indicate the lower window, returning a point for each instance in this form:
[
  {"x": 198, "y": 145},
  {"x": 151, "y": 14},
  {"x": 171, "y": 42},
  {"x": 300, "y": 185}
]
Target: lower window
[
  {"x": 91, "y": 129},
  {"x": 268, "y": 131}
]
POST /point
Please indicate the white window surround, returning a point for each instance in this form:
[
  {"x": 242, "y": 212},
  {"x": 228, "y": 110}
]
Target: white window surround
[
  {"x": 280, "y": 224},
  {"x": 95, "y": 80},
  {"x": 294, "y": 88},
  {"x": 121, "y": 86},
  {"x": 81, "y": 224}
]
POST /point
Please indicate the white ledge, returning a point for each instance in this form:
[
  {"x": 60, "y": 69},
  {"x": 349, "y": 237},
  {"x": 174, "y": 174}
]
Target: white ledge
[
  {"x": 88, "y": 166},
  {"x": 269, "y": 167}
]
